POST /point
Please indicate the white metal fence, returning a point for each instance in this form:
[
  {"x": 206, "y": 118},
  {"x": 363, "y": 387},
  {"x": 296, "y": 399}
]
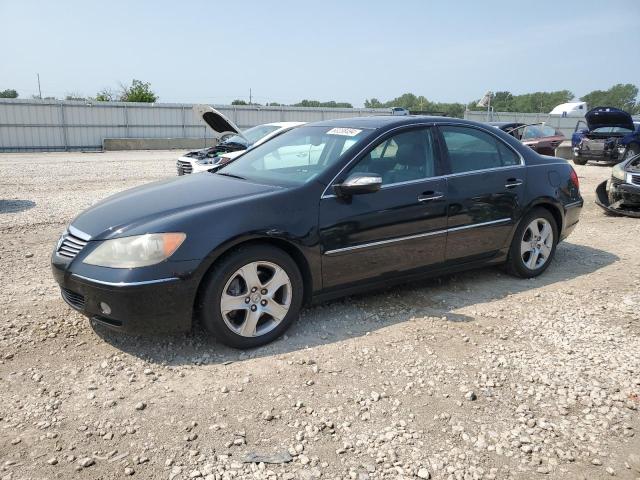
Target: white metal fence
[
  {"x": 50, "y": 125},
  {"x": 566, "y": 125}
]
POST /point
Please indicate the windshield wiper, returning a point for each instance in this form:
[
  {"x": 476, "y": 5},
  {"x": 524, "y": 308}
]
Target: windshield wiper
[{"x": 230, "y": 175}]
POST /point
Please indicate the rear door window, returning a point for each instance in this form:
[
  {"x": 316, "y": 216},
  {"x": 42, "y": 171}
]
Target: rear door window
[{"x": 471, "y": 149}]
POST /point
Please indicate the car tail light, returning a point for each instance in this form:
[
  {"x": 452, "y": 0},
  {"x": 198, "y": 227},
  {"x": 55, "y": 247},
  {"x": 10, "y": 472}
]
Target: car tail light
[{"x": 574, "y": 178}]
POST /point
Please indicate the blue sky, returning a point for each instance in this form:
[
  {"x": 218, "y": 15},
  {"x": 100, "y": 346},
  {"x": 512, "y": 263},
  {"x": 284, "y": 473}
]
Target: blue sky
[{"x": 209, "y": 51}]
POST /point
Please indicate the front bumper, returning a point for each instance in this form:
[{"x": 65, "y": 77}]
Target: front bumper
[
  {"x": 625, "y": 196},
  {"x": 155, "y": 305},
  {"x": 604, "y": 155}
]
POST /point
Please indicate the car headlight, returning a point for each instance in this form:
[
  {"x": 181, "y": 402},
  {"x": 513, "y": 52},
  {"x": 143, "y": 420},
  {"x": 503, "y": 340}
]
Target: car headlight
[
  {"x": 135, "y": 251},
  {"x": 618, "y": 172}
]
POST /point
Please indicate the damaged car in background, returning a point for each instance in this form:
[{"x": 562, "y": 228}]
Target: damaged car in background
[
  {"x": 620, "y": 194},
  {"x": 233, "y": 144},
  {"x": 611, "y": 136},
  {"x": 542, "y": 138}
]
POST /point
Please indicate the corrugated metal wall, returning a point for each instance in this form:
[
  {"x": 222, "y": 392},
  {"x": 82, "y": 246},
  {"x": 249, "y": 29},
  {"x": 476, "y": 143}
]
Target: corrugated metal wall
[
  {"x": 32, "y": 125},
  {"x": 566, "y": 125}
]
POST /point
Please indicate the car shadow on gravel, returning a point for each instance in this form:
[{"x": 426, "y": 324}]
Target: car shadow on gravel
[
  {"x": 365, "y": 313},
  {"x": 15, "y": 206}
]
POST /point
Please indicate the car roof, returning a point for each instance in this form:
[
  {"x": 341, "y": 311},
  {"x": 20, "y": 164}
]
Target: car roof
[
  {"x": 285, "y": 124},
  {"x": 504, "y": 124},
  {"x": 391, "y": 121}
]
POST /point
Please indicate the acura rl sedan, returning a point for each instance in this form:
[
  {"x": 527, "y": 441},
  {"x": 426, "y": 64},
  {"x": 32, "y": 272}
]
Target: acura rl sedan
[{"x": 322, "y": 211}]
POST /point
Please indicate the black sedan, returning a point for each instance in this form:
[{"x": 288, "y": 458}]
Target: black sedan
[{"x": 322, "y": 211}]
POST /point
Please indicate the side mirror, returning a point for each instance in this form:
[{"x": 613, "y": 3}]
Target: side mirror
[{"x": 358, "y": 184}]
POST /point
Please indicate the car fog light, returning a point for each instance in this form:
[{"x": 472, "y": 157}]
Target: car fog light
[{"x": 105, "y": 308}]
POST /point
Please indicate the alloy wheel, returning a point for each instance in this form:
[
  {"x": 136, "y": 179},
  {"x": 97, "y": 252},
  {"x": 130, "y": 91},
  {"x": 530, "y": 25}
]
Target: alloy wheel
[
  {"x": 256, "y": 298},
  {"x": 537, "y": 243}
]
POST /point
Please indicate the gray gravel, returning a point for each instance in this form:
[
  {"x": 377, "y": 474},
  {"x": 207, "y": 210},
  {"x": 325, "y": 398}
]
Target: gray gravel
[{"x": 472, "y": 376}]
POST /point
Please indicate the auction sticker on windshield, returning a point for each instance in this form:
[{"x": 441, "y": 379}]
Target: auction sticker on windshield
[{"x": 346, "y": 132}]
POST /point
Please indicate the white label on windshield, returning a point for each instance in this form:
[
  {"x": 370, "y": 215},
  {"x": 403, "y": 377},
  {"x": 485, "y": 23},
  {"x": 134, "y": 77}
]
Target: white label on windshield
[{"x": 346, "y": 132}]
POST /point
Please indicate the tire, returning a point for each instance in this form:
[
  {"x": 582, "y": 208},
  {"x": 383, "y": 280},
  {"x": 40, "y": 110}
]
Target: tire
[
  {"x": 521, "y": 264},
  {"x": 579, "y": 160},
  {"x": 239, "y": 285}
]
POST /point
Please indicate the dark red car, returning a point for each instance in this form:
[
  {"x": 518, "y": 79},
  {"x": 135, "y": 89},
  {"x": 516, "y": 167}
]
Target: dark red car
[{"x": 540, "y": 137}]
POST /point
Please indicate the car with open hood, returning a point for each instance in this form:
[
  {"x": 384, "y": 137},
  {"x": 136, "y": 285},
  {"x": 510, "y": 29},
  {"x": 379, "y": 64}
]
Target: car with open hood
[
  {"x": 608, "y": 135},
  {"x": 324, "y": 210},
  {"x": 232, "y": 141},
  {"x": 620, "y": 195},
  {"x": 540, "y": 137}
]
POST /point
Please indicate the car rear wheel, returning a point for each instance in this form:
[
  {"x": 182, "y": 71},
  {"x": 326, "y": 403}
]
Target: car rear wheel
[
  {"x": 252, "y": 296},
  {"x": 533, "y": 245},
  {"x": 579, "y": 160}
]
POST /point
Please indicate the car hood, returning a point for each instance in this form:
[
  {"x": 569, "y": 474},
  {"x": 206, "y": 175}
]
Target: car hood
[
  {"x": 608, "y": 117},
  {"x": 220, "y": 124},
  {"x": 132, "y": 211}
]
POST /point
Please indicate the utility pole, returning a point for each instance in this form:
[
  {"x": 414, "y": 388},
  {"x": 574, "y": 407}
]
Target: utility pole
[
  {"x": 249, "y": 96},
  {"x": 39, "y": 90}
]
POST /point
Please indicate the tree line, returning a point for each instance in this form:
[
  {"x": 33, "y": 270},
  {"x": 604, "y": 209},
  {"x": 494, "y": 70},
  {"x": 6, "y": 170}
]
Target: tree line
[
  {"x": 303, "y": 103},
  {"x": 623, "y": 96},
  {"x": 138, "y": 91}
]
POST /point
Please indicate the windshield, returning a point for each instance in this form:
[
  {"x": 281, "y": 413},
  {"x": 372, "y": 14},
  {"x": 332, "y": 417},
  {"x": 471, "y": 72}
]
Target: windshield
[
  {"x": 295, "y": 157},
  {"x": 611, "y": 130},
  {"x": 252, "y": 135}
]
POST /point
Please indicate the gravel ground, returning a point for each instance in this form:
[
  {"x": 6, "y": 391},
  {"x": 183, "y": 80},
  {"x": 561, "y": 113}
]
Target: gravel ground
[{"x": 476, "y": 375}]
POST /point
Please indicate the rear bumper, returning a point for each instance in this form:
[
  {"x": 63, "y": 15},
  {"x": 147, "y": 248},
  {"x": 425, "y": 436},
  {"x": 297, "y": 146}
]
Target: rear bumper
[
  {"x": 571, "y": 217},
  {"x": 158, "y": 305}
]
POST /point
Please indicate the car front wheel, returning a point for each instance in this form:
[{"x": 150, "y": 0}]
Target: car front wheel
[
  {"x": 579, "y": 160},
  {"x": 534, "y": 244},
  {"x": 252, "y": 296}
]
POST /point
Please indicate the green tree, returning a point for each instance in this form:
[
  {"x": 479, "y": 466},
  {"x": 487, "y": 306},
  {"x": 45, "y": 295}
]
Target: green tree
[
  {"x": 420, "y": 103},
  {"x": 317, "y": 103},
  {"x": 239, "y": 102},
  {"x": 372, "y": 103},
  {"x": 527, "y": 103},
  {"x": 138, "y": 91},
  {"x": 621, "y": 96},
  {"x": 8, "y": 93},
  {"x": 105, "y": 95}
]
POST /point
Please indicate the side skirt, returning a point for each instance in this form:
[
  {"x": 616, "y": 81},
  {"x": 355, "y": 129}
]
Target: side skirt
[{"x": 383, "y": 283}]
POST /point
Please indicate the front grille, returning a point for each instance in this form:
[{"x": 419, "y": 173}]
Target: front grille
[
  {"x": 635, "y": 179},
  {"x": 74, "y": 299},
  {"x": 70, "y": 245},
  {"x": 184, "y": 167}
]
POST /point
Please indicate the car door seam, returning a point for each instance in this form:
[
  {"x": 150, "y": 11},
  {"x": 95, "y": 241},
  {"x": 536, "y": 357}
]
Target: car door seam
[{"x": 412, "y": 237}]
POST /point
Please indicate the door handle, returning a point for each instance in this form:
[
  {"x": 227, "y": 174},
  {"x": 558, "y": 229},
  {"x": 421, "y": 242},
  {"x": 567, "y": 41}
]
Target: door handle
[
  {"x": 430, "y": 196},
  {"x": 513, "y": 182}
]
